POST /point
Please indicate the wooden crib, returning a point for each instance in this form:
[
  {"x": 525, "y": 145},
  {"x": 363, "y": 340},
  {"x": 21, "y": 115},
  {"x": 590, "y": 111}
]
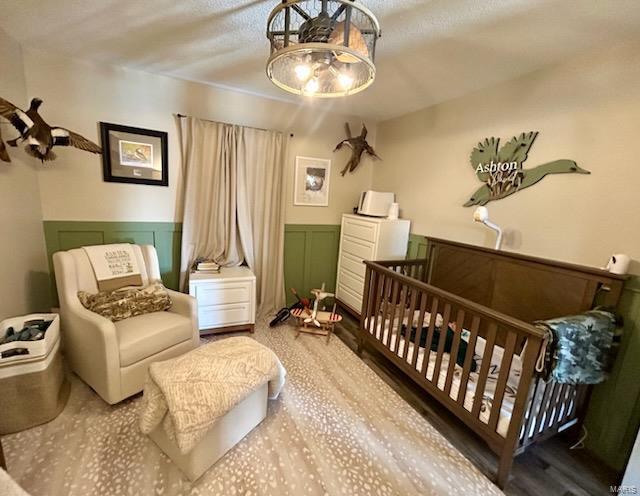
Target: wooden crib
[{"x": 492, "y": 297}]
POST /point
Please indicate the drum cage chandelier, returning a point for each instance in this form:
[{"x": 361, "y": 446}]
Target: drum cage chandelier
[{"x": 322, "y": 48}]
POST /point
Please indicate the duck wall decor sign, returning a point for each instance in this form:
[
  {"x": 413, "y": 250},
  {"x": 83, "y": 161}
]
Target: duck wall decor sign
[
  {"x": 358, "y": 145},
  {"x": 38, "y": 136},
  {"x": 501, "y": 168}
]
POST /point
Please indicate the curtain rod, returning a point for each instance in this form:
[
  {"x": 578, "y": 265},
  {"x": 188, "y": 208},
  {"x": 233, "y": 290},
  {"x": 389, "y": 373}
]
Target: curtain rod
[{"x": 182, "y": 116}]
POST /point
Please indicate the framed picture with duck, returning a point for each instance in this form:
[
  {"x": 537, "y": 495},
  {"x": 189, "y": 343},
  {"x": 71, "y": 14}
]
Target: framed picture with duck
[{"x": 134, "y": 155}]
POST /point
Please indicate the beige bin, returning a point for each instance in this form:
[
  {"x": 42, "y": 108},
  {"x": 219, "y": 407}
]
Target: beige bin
[{"x": 33, "y": 385}]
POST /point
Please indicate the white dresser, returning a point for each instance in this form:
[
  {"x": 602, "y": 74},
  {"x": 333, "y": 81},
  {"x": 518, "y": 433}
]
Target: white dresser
[
  {"x": 226, "y": 301},
  {"x": 366, "y": 238}
]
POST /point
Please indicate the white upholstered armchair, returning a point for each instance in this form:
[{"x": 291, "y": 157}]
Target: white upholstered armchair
[{"x": 113, "y": 357}]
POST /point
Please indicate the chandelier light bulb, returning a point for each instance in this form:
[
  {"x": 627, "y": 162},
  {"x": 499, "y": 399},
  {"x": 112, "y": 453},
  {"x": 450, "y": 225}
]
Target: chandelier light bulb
[
  {"x": 345, "y": 80},
  {"x": 303, "y": 72},
  {"x": 311, "y": 87}
]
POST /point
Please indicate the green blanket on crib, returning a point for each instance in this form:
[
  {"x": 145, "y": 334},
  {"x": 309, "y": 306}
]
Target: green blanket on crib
[{"x": 579, "y": 346}]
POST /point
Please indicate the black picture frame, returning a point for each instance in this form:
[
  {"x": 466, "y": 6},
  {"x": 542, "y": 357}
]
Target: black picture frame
[{"x": 116, "y": 170}]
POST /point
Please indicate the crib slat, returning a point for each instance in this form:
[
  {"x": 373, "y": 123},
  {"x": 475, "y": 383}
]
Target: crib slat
[
  {"x": 484, "y": 369},
  {"x": 503, "y": 377},
  {"x": 409, "y": 329},
  {"x": 544, "y": 406},
  {"x": 427, "y": 345},
  {"x": 377, "y": 300},
  {"x": 442, "y": 338},
  {"x": 453, "y": 355},
  {"x": 402, "y": 308},
  {"x": 466, "y": 369},
  {"x": 564, "y": 403},
  {"x": 534, "y": 406},
  {"x": 571, "y": 399},
  {"x": 386, "y": 290},
  {"x": 393, "y": 304},
  {"x": 419, "y": 330},
  {"x": 370, "y": 291},
  {"x": 555, "y": 405}
]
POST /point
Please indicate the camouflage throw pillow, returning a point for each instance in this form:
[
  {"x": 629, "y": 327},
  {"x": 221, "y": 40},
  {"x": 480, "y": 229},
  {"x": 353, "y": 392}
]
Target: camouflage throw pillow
[
  {"x": 127, "y": 302},
  {"x": 580, "y": 352}
]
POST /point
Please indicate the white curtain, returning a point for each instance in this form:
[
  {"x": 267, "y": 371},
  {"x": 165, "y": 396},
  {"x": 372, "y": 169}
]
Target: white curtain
[{"x": 234, "y": 202}]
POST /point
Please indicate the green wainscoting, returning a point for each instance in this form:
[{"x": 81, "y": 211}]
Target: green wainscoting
[
  {"x": 310, "y": 257},
  {"x": 614, "y": 413},
  {"x": 165, "y": 236},
  {"x": 417, "y": 246}
]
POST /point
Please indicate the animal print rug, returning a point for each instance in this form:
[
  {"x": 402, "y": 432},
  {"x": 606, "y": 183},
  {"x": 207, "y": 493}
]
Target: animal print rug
[{"x": 336, "y": 429}]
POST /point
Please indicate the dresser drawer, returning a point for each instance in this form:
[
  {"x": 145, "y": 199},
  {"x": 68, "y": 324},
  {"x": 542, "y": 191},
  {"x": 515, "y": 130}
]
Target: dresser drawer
[
  {"x": 221, "y": 293},
  {"x": 352, "y": 282},
  {"x": 360, "y": 229},
  {"x": 224, "y": 315},
  {"x": 358, "y": 248},
  {"x": 347, "y": 296},
  {"x": 352, "y": 264}
]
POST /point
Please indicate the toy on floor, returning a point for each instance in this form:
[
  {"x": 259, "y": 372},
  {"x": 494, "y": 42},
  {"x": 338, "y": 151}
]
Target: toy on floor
[
  {"x": 324, "y": 322},
  {"x": 285, "y": 312}
]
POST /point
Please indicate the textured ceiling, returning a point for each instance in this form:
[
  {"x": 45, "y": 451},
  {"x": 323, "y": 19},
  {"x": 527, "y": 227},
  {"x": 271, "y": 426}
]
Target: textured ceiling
[{"x": 430, "y": 51}]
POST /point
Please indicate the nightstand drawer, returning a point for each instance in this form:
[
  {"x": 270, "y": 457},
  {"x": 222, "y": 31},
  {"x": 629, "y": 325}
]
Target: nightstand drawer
[
  {"x": 224, "y": 315},
  {"x": 222, "y": 293}
]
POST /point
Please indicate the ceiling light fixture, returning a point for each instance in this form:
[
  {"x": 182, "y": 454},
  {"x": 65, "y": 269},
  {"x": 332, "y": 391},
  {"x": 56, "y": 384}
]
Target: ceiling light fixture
[{"x": 324, "y": 48}]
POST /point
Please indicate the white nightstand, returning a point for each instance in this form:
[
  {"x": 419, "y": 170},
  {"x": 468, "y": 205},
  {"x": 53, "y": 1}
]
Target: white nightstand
[{"x": 226, "y": 301}]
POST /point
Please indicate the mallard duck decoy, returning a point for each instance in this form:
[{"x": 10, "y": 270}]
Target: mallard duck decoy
[
  {"x": 509, "y": 176},
  {"x": 39, "y": 136},
  {"x": 4, "y": 156},
  {"x": 358, "y": 146}
]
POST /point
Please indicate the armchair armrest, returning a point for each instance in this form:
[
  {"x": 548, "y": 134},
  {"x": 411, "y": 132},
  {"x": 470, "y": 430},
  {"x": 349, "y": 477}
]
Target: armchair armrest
[
  {"x": 91, "y": 343},
  {"x": 187, "y": 306},
  {"x": 89, "y": 340}
]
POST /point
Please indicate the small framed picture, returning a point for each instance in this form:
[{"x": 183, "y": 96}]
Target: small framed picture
[
  {"x": 312, "y": 182},
  {"x": 134, "y": 155}
]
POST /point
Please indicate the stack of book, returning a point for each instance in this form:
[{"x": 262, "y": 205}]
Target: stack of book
[{"x": 206, "y": 266}]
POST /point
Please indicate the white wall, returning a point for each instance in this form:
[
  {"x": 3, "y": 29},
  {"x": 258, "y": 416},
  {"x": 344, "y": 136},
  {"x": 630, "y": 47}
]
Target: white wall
[
  {"x": 587, "y": 110},
  {"x": 79, "y": 95},
  {"x": 24, "y": 283}
]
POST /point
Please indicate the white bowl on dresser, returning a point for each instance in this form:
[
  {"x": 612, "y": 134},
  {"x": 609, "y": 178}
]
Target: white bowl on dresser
[{"x": 226, "y": 300}]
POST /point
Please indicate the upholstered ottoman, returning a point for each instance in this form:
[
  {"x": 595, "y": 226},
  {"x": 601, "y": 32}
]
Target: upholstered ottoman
[
  {"x": 224, "y": 435},
  {"x": 199, "y": 406}
]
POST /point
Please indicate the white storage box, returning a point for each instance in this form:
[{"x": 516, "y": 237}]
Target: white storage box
[{"x": 30, "y": 350}]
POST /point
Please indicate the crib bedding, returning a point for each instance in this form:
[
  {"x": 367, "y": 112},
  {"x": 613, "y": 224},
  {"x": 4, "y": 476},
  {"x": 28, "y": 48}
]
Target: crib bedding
[{"x": 506, "y": 409}]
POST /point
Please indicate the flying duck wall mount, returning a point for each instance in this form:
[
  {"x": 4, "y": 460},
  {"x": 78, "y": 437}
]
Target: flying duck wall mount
[
  {"x": 358, "y": 145},
  {"x": 38, "y": 136},
  {"x": 501, "y": 168}
]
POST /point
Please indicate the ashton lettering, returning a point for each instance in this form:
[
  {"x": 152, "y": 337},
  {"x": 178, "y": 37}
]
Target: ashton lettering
[{"x": 500, "y": 168}]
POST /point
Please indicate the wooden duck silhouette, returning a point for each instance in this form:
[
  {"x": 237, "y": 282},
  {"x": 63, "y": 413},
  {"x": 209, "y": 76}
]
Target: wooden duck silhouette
[
  {"x": 39, "y": 136},
  {"x": 358, "y": 145},
  {"x": 502, "y": 172}
]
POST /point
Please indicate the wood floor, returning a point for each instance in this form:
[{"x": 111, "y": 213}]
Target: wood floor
[{"x": 548, "y": 469}]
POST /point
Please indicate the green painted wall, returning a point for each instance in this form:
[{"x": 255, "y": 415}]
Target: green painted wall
[
  {"x": 165, "y": 236},
  {"x": 310, "y": 257},
  {"x": 614, "y": 413},
  {"x": 417, "y": 246}
]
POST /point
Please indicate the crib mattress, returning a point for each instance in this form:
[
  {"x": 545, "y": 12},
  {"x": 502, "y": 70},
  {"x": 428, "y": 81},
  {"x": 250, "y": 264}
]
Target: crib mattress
[{"x": 506, "y": 409}]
